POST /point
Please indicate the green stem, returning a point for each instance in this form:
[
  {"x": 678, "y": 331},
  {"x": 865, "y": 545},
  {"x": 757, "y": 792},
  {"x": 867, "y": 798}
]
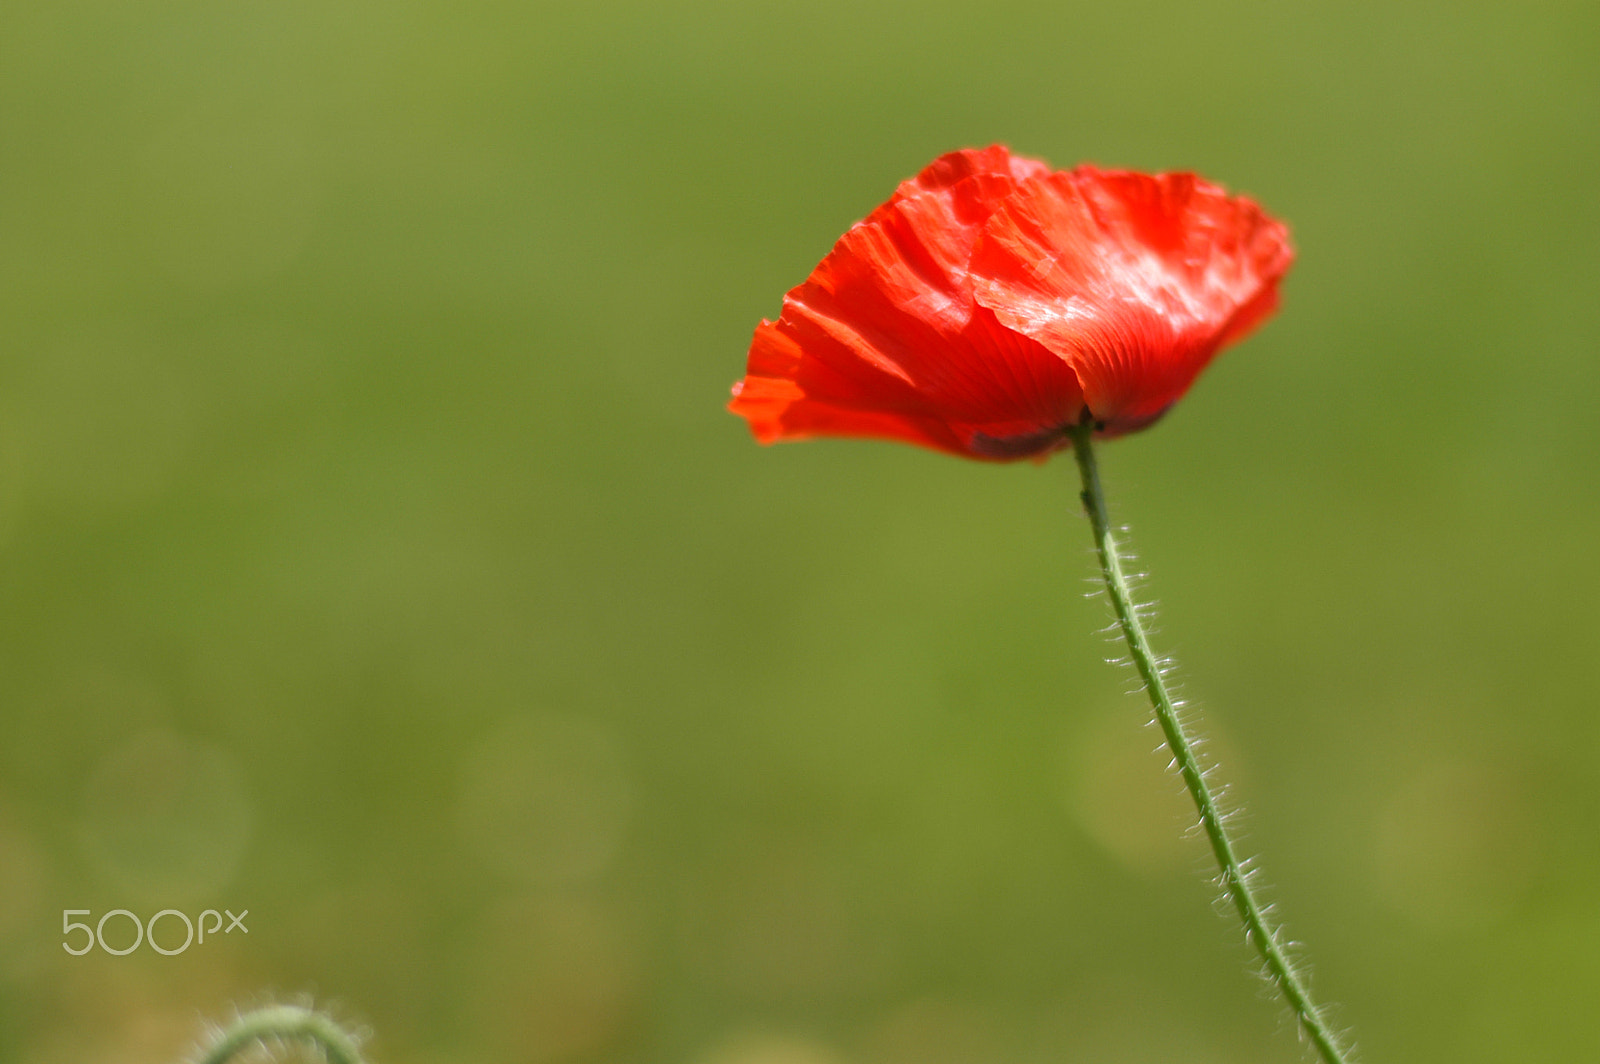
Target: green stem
[
  {"x": 1259, "y": 930},
  {"x": 284, "y": 1023}
]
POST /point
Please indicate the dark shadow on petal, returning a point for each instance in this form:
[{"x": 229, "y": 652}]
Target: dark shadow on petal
[
  {"x": 1027, "y": 446},
  {"x": 1121, "y": 426}
]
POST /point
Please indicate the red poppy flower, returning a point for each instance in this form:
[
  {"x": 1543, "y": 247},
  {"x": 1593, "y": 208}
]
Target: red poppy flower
[{"x": 992, "y": 301}]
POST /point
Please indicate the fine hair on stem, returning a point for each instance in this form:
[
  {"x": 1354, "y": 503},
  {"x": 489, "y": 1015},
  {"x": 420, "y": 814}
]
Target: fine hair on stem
[{"x": 1234, "y": 875}]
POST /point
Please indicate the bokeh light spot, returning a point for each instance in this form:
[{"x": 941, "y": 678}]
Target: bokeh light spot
[
  {"x": 22, "y": 873},
  {"x": 545, "y": 799},
  {"x": 1123, "y": 798},
  {"x": 1453, "y": 845},
  {"x": 937, "y": 1031},
  {"x": 552, "y": 979},
  {"x": 166, "y": 819}
]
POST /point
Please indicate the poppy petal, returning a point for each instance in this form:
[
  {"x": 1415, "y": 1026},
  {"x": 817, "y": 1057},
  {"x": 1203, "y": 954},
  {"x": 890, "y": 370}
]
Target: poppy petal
[
  {"x": 1135, "y": 280},
  {"x": 886, "y": 326},
  {"x": 990, "y": 299}
]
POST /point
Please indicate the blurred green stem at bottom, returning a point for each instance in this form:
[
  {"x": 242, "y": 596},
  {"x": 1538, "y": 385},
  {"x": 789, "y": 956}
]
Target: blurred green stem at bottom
[{"x": 284, "y": 1023}]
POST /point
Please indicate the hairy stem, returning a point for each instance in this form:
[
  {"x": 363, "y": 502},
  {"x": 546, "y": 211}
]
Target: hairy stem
[
  {"x": 1260, "y": 932},
  {"x": 284, "y": 1023}
]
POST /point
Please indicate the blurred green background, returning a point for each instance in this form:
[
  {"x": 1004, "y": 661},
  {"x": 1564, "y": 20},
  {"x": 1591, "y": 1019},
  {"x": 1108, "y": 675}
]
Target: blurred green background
[{"x": 376, "y": 555}]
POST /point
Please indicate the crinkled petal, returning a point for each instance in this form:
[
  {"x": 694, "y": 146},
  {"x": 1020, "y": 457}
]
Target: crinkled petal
[
  {"x": 887, "y": 326},
  {"x": 990, "y": 300},
  {"x": 1135, "y": 280}
]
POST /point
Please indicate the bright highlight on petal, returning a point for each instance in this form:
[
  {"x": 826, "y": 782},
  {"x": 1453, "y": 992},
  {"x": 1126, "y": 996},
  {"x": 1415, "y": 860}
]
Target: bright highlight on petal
[{"x": 991, "y": 301}]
